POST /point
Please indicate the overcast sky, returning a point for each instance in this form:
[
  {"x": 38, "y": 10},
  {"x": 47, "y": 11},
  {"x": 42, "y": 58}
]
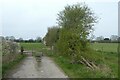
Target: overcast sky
[{"x": 31, "y": 18}]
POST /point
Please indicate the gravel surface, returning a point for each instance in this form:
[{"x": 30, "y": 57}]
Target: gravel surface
[{"x": 30, "y": 68}]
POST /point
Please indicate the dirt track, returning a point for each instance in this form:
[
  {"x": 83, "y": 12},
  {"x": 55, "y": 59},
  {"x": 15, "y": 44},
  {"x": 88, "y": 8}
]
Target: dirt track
[{"x": 30, "y": 68}]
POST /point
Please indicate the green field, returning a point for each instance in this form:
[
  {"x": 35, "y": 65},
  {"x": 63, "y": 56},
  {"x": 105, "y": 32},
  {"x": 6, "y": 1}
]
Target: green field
[
  {"x": 32, "y": 46},
  {"x": 106, "y": 47},
  {"x": 108, "y": 61}
]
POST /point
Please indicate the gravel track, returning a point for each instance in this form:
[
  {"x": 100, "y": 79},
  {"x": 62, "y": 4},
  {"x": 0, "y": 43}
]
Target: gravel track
[{"x": 30, "y": 68}]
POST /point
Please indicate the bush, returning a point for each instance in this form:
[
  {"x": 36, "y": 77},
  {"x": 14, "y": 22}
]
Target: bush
[{"x": 10, "y": 50}]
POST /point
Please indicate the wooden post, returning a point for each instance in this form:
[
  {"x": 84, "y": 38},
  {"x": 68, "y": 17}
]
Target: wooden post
[{"x": 22, "y": 50}]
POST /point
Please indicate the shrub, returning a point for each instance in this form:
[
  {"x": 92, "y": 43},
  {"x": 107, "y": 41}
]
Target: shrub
[{"x": 10, "y": 50}]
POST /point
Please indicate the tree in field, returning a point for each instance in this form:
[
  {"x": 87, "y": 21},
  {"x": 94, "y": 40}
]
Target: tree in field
[
  {"x": 7, "y": 37},
  {"x": 20, "y": 39},
  {"x": 100, "y": 38},
  {"x": 11, "y": 38},
  {"x": 52, "y": 36},
  {"x": 76, "y": 23},
  {"x": 30, "y": 40},
  {"x": 114, "y": 38},
  {"x": 38, "y": 39}
]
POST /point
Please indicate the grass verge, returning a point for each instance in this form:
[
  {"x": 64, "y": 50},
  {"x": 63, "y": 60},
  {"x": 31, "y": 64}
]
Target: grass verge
[
  {"x": 108, "y": 66},
  {"x": 8, "y": 66}
]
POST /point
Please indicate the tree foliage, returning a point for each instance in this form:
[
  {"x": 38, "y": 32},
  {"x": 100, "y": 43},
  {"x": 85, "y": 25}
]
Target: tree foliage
[
  {"x": 71, "y": 37},
  {"x": 38, "y": 39},
  {"x": 76, "y": 22},
  {"x": 114, "y": 38},
  {"x": 52, "y": 36}
]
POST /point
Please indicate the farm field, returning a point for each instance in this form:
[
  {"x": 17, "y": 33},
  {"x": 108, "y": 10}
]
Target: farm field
[
  {"x": 32, "y": 46},
  {"x": 109, "y": 65},
  {"x": 106, "y": 47}
]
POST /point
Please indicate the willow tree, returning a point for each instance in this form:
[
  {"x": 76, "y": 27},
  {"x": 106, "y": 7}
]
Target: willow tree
[{"x": 76, "y": 23}]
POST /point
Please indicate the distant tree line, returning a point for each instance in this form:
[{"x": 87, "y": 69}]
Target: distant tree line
[
  {"x": 112, "y": 39},
  {"x": 12, "y": 38}
]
